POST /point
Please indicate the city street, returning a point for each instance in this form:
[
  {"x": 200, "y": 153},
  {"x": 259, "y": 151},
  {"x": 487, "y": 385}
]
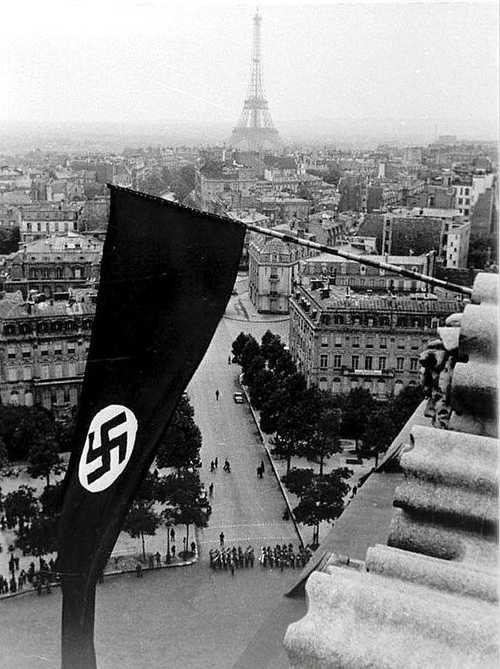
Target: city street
[
  {"x": 246, "y": 509},
  {"x": 190, "y": 617}
]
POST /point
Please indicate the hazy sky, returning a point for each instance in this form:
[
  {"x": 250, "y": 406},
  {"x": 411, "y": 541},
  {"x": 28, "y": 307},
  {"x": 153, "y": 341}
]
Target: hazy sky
[{"x": 153, "y": 60}]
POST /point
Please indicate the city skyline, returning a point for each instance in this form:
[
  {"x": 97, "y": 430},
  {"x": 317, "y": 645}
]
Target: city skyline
[{"x": 335, "y": 67}]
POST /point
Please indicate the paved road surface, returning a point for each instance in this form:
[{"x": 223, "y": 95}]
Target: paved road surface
[{"x": 245, "y": 508}]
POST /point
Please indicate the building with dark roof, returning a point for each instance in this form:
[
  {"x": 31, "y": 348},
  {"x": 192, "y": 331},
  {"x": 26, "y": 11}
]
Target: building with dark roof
[
  {"x": 54, "y": 265},
  {"x": 341, "y": 339},
  {"x": 43, "y": 350}
]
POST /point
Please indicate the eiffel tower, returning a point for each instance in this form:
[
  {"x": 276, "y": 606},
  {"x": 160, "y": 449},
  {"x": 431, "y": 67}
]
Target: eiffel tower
[{"x": 255, "y": 130}]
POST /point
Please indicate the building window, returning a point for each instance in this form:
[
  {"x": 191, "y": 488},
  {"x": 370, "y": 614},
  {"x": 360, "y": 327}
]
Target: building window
[
  {"x": 338, "y": 340},
  {"x": 58, "y": 370},
  {"x": 71, "y": 368},
  {"x": 355, "y": 341},
  {"x": 337, "y": 361},
  {"x": 355, "y": 361},
  {"x": 58, "y": 349},
  {"x": 369, "y": 342},
  {"x": 71, "y": 349},
  {"x": 399, "y": 364},
  {"x": 323, "y": 361},
  {"x": 401, "y": 343},
  {"x": 11, "y": 352},
  {"x": 413, "y": 364},
  {"x": 338, "y": 320},
  {"x": 44, "y": 350},
  {"x": 45, "y": 372},
  {"x": 324, "y": 340},
  {"x": 12, "y": 374},
  {"x": 383, "y": 342},
  {"x": 26, "y": 351},
  {"x": 27, "y": 375},
  {"x": 368, "y": 362},
  {"x": 381, "y": 363},
  {"x": 66, "y": 396}
]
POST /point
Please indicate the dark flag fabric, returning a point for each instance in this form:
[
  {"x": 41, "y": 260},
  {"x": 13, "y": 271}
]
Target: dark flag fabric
[{"x": 166, "y": 275}]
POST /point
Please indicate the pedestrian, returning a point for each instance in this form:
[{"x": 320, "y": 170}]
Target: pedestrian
[
  {"x": 138, "y": 570},
  {"x": 173, "y": 551},
  {"x": 263, "y": 469},
  {"x": 39, "y": 586},
  {"x": 158, "y": 559},
  {"x": 216, "y": 462},
  {"x": 16, "y": 560},
  {"x": 221, "y": 538},
  {"x": 193, "y": 547},
  {"x": 13, "y": 584},
  {"x": 211, "y": 489},
  {"x": 212, "y": 466},
  {"x": 217, "y": 395},
  {"x": 172, "y": 534},
  {"x": 231, "y": 565},
  {"x": 151, "y": 562},
  {"x": 11, "y": 564},
  {"x": 229, "y": 360}
]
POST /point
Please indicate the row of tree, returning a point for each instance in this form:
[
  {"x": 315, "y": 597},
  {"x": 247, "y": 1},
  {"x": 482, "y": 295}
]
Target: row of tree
[
  {"x": 171, "y": 498},
  {"x": 306, "y": 421}
]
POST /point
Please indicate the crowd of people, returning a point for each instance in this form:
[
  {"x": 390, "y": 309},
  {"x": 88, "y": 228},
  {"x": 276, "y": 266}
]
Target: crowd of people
[
  {"x": 284, "y": 556},
  {"x": 234, "y": 558},
  {"x": 19, "y": 579},
  {"x": 231, "y": 558}
]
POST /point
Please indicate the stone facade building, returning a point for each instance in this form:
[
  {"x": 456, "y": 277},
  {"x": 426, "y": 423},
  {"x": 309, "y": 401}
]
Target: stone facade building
[
  {"x": 273, "y": 266},
  {"x": 44, "y": 219},
  {"x": 339, "y": 271},
  {"x": 43, "y": 351},
  {"x": 54, "y": 265},
  {"x": 344, "y": 341}
]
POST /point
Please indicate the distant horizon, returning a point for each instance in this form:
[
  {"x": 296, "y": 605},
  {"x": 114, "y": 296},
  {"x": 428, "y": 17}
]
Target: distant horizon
[{"x": 346, "y": 64}]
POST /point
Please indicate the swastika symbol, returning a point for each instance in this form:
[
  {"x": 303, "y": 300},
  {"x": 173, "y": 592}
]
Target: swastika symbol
[
  {"x": 103, "y": 451},
  {"x": 108, "y": 447}
]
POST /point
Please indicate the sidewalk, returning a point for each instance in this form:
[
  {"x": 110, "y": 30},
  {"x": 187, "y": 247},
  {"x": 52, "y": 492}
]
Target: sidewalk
[{"x": 115, "y": 567}]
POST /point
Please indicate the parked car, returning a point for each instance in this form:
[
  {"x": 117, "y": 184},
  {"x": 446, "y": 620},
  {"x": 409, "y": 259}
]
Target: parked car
[{"x": 239, "y": 398}]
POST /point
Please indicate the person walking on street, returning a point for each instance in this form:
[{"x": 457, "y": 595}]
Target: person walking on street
[
  {"x": 216, "y": 462},
  {"x": 211, "y": 490},
  {"x": 212, "y": 465},
  {"x": 262, "y": 468},
  {"x": 221, "y": 538},
  {"x": 217, "y": 395},
  {"x": 229, "y": 360},
  {"x": 138, "y": 570}
]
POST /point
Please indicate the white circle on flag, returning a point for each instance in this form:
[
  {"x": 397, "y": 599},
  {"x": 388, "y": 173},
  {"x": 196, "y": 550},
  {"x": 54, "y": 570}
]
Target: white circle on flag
[{"x": 108, "y": 447}]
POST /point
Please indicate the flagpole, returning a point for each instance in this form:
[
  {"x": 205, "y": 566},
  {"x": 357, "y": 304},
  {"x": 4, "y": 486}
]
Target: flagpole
[{"x": 363, "y": 260}]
